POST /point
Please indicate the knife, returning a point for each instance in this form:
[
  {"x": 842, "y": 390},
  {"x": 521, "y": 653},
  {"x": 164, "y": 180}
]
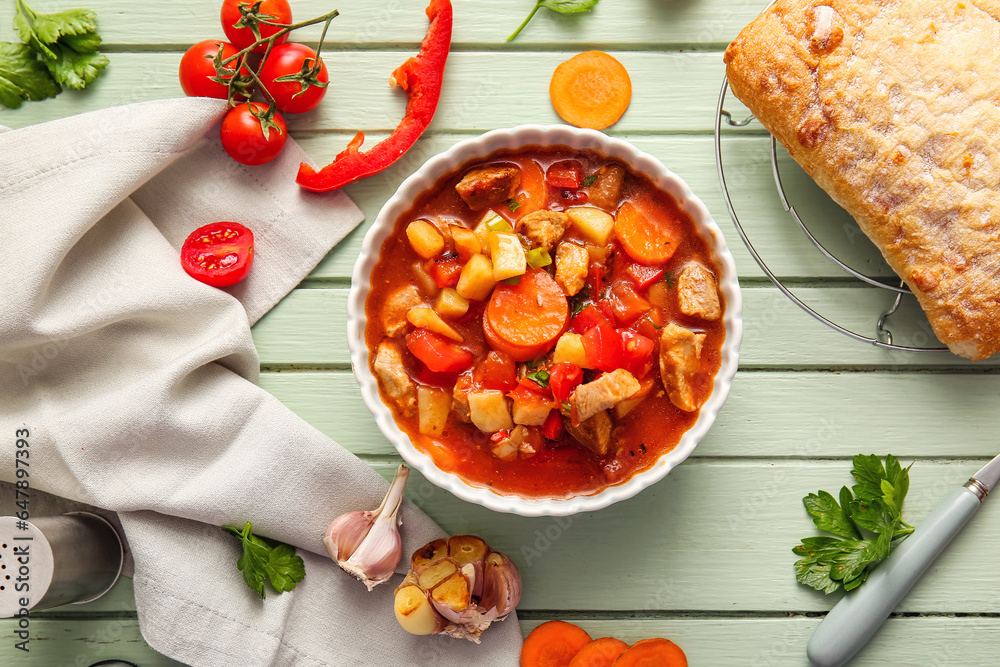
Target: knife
[{"x": 858, "y": 616}]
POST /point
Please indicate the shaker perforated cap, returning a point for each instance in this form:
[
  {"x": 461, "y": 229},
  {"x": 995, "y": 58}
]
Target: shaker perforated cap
[{"x": 50, "y": 561}]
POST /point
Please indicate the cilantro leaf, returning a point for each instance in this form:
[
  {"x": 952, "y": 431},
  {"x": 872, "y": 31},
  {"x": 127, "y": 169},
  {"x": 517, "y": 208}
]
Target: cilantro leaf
[
  {"x": 540, "y": 377},
  {"x": 874, "y": 508},
  {"x": 48, "y": 28},
  {"x": 260, "y": 560},
  {"x": 23, "y": 76},
  {"x": 587, "y": 182},
  {"x": 560, "y": 6},
  {"x": 73, "y": 69}
]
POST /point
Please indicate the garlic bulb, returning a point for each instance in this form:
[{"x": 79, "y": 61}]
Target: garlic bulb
[
  {"x": 367, "y": 544},
  {"x": 457, "y": 586}
]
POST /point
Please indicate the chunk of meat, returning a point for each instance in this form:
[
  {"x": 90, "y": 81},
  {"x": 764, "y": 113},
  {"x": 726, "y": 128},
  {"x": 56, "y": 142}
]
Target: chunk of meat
[
  {"x": 522, "y": 440},
  {"x": 393, "y": 377},
  {"x": 603, "y": 393},
  {"x": 594, "y": 434},
  {"x": 622, "y": 408},
  {"x": 396, "y": 306},
  {"x": 698, "y": 294},
  {"x": 607, "y": 187},
  {"x": 571, "y": 267},
  {"x": 544, "y": 228},
  {"x": 460, "y": 398},
  {"x": 680, "y": 359},
  {"x": 485, "y": 186}
]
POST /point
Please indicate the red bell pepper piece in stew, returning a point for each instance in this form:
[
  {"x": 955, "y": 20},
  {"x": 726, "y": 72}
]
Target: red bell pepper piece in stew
[
  {"x": 602, "y": 347},
  {"x": 565, "y": 174},
  {"x": 437, "y": 353},
  {"x": 563, "y": 379},
  {"x": 421, "y": 77}
]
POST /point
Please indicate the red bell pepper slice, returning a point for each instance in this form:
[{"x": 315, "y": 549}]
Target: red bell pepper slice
[
  {"x": 563, "y": 379},
  {"x": 553, "y": 426},
  {"x": 421, "y": 77},
  {"x": 565, "y": 174},
  {"x": 496, "y": 371},
  {"x": 437, "y": 353},
  {"x": 587, "y": 319},
  {"x": 643, "y": 275},
  {"x": 602, "y": 346},
  {"x": 636, "y": 350}
]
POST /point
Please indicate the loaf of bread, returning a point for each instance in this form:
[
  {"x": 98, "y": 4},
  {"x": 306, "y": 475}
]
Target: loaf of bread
[{"x": 893, "y": 107}]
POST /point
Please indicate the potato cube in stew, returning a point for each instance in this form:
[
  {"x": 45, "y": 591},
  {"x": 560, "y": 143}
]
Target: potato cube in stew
[
  {"x": 425, "y": 239},
  {"x": 466, "y": 242},
  {"x": 423, "y": 317},
  {"x": 507, "y": 256},
  {"x": 451, "y": 304},
  {"x": 490, "y": 411},
  {"x": 569, "y": 348},
  {"x": 593, "y": 223},
  {"x": 476, "y": 282},
  {"x": 433, "y": 405}
]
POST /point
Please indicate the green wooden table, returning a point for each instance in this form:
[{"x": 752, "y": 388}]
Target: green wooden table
[{"x": 704, "y": 557}]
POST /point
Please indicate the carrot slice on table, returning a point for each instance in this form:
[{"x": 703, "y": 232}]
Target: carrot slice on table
[
  {"x": 599, "y": 653},
  {"x": 528, "y": 317},
  {"x": 648, "y": 230},
  {"x": 653, "y": 653},
  {"x": 553, "y": 644},
  {"x": 591, "y": 89}
]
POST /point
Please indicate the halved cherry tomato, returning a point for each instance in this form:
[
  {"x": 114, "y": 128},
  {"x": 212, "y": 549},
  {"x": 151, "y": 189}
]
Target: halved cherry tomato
[
  {"x": 602, "y": 347},
  {"x": 445, "y": 270},
  {"x": 643, "y": 275},
  {"x": 636, "y": 351},
  {"x": 438, "y": 354},
  {"x": 496, "y": 371},
  {"x": 565, "y": 174},
  {"x": 241, "y": 38},
  {"x": 552, "y": 428},
  {"x": 563, "y": 379},
  {"x": 219, "y": 254},
  {"x": 587, "y": 319}
]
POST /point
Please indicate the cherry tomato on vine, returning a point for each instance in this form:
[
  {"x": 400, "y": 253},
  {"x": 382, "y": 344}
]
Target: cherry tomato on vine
[
  {"x": 244, "y": 37},
  {"x": 219, "y": 254},
  {"x": 290, "y": 59},
  {"x": 244, "y": 139},
  {"x": 197, "y": 69}
]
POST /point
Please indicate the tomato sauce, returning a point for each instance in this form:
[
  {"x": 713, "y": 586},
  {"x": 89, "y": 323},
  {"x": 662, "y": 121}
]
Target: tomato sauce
[{"x": 560, "y": 468}]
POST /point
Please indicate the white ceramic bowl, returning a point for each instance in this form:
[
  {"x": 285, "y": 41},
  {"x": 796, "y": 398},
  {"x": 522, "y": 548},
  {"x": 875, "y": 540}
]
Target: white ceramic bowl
[{"x": 477, "y": 148}]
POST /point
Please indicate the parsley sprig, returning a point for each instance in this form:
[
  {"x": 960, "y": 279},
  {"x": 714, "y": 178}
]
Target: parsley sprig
[
  {"x": 867, "y": 522},
  {"x": 59, "y": 49},
  {"x": 263, "y": 559},
  {"x": 561, "y": 6}
]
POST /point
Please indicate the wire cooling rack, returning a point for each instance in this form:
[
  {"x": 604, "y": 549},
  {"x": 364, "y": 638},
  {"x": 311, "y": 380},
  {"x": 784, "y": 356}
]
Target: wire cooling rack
[{"x": 883, "y": 336}]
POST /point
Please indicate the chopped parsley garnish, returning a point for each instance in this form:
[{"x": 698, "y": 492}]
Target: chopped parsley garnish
[
  {"x": 513, "y": 204},
  {"x": 540, "y": 377},
  {"x": 587, "y": 182}
]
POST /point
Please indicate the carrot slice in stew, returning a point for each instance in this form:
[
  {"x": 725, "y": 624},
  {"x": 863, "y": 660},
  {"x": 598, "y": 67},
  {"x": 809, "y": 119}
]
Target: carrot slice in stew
[
  {"x": 532, "y": 195},
  {"x": 591, "y": 89},
  {"x": 649, "y": 231},
  {"x": 601, "y": 652},
  {"x": 553, "y": 644},
  {"x": 528, "y": 316},
  {"x": 653, "y": 653}
]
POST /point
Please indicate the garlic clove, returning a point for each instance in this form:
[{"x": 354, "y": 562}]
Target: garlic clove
[
  {"x": 429, "y": 553},
  {"x": 415, "y": 613},
  {"x": 367, "y": 545},
  {"x": 467, "y": 548},
  {"x": 346, "y": 533},
  {"x": 429, "y": 576},
  {"x": 501, "y": 585}
]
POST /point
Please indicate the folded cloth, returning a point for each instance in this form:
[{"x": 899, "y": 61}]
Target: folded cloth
[{"x": 137, "y": 385}]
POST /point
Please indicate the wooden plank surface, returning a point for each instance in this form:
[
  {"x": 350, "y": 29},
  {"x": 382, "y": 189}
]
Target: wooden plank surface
[{"x": 703, "y": 557}]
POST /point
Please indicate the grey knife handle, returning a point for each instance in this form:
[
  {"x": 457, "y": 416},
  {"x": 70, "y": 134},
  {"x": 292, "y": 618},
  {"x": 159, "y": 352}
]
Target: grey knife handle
[{"x": 858, "y": 616}]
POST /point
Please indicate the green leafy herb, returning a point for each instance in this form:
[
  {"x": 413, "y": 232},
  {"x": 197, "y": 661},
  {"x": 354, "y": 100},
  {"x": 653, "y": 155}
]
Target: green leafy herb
[
  {"x": 867, "y": 522},
  {"x": 23, "y": 76},
  {"x": 561, "y": 6},
  {"x": 513, "y": 280},
  {"x": 566, "y": 409},
  {"x": 579, "y": 302},
  {"x": 59, "y": 49},
  {"x": 513, "y": 204},
  {"x": 668, "y": 278},
  {"x": 541, "y": 377},
  {"x": 587, "y": 182},
  {"x": 263, "y": 559}
]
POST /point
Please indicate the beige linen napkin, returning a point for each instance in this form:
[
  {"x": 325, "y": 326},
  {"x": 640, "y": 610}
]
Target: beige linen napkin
[{"x": 137, "y": 384}]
